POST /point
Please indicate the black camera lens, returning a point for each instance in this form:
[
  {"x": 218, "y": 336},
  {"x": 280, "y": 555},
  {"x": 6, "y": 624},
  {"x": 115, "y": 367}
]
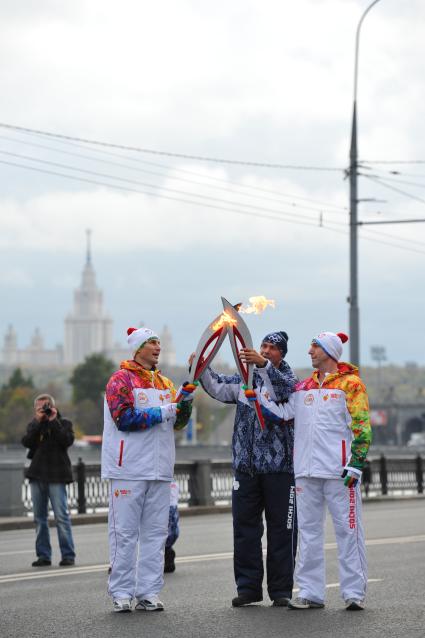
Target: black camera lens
[{"x": 47, "y": 410}]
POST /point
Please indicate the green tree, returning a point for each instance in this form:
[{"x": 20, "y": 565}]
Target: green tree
[
  {"x": 90, "y": 378},
  {"x": 87, "y": 417},
  {"x": 17, "y": 380},
  {"x": 16, "y": 411}
]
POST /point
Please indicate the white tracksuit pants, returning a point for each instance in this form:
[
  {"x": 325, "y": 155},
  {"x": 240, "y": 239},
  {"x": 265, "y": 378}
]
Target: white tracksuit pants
[
  {"x": 344, "y": 504},
  {"x": 138, "y": 529}
]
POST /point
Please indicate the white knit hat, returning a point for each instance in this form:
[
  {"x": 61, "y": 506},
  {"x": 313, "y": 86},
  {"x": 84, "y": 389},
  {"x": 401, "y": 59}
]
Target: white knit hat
[
  {"x": 138, "y": 337},
  {"x": 331, "y": 343}
]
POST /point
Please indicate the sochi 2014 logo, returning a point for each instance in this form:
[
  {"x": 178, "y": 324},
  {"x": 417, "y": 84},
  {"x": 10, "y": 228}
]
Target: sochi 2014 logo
[
  {"x": 309, "y": 399},
  {"x": 142, "y": 398}
]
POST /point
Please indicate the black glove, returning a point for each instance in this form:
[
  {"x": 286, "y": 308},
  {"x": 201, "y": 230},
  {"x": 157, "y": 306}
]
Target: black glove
[{"x": 184, "y": 411}]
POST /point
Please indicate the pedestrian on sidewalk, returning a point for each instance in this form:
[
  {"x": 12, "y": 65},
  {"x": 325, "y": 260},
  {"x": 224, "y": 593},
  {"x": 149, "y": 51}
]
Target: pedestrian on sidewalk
[
  {"x": 138, "y": 454},
  {"x": 332, "y": 438},
  {"x": 263, "y": 477},
  {"x": 48, "y": 438}
]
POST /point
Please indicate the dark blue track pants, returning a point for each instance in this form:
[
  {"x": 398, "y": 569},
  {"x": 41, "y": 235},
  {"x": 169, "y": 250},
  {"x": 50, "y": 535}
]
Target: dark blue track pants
[{"x": 273, "y": 494}]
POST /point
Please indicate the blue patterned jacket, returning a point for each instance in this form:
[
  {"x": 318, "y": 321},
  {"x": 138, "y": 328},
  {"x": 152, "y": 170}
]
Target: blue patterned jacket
[{"x": 256, "y": 451}]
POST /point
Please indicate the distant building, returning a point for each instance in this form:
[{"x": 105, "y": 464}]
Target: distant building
[
  {"x": 35, "y": 355},
  {"x": 88, "y": 330},
  {"x": 168, "y": 353}
]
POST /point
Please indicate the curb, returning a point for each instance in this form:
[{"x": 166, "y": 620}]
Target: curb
[{"x": 24, "y": 522}]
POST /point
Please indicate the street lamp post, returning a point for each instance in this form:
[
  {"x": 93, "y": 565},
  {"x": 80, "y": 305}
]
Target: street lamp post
[{"x": 353, "y": 298}]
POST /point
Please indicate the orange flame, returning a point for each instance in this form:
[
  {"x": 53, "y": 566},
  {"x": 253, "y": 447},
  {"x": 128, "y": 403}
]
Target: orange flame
[
  {"x": 224, "y": 319},
  {"x": 257, "y": 305}
]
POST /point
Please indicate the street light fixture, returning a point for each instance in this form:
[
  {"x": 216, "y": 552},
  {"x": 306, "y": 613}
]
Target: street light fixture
[{"x": 353, "y": 298}]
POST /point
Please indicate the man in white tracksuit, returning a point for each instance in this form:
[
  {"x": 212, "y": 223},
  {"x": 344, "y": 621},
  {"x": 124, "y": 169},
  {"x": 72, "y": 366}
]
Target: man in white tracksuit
[
  {"x": 138, "y": 455},
  {"x": 332, "y": 438}
]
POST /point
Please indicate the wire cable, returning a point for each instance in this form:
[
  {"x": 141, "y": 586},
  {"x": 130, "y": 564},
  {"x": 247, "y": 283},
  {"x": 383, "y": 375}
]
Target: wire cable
[
  {"x": 171, "y": 177},
  {"x": 382, "y": 182},
  {"x": 168, "y": 197},
  {"x": 215, "y": 160},
  {"x": 392, "y": 162},
  {"x": 205, "y": 205},
  {"x": 154, "y": 186}
]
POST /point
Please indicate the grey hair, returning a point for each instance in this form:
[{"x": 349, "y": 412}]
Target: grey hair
[{"x": 46, "y": 397}]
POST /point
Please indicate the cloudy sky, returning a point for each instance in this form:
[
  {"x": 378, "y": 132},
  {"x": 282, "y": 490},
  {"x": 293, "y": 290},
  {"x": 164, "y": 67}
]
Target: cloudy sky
[{"x": 258, "y": 81}]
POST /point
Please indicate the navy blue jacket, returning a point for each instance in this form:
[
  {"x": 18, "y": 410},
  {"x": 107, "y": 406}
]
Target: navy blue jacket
[{"x": 256, "y": 451}]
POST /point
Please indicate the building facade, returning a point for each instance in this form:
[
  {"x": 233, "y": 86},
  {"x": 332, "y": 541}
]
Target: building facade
[{"x": 88, "y": 329}]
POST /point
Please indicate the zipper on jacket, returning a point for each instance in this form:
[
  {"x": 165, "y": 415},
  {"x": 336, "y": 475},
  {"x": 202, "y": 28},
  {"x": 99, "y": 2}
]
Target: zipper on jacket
[
  {"x": 121, "y": 453},
  {"x": 155, "y": 434},
  {"x": 343, "y": 453},
  {"x": 316, "y": 410},
  {"x": 312, "y": 422}
]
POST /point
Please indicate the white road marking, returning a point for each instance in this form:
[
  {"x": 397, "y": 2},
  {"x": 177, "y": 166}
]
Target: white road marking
[
  {"x": 92, "y": 569},
  {"x": 17, "y": 551}
]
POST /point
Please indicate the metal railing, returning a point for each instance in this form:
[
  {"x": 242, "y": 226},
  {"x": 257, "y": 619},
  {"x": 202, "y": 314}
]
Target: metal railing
[{"x": 210, "y": 482}]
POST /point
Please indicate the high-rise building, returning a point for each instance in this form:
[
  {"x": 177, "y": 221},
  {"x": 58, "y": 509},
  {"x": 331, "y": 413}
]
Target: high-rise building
[{"x": 88, "y": 329}]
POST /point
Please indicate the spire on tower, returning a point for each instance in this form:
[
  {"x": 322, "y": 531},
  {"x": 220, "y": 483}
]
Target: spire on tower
[{"x": 88, "y": 233}]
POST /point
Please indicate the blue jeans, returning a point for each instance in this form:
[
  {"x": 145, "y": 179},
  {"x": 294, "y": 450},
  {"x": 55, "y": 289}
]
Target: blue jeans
[{"x": 56, "y": 492}]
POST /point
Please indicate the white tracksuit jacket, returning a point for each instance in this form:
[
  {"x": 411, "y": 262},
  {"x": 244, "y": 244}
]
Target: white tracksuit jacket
[{"x": 332, "y": 429}]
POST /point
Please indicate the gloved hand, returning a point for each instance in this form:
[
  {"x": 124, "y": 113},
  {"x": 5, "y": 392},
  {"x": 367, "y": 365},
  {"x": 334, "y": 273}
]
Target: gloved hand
[
  {"x": 168, "y": 412},
  {"x": 184, "y": 411},
  {"x": 269, "y": 416},
  {"x": 188, "y": 389},
  {"x": 351, "y": 475}
]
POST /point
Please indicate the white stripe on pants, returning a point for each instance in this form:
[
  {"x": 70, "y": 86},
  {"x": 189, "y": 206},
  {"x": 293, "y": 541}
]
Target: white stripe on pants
[
  {"x": 344, "y": 504},
  {"x": 138, "y": 528}
]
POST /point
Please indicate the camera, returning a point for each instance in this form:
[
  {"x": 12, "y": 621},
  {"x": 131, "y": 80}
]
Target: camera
[{"x": 47, "y": 409}]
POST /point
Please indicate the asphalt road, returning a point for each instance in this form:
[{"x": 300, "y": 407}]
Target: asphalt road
[{"x": 73, "y": 602}]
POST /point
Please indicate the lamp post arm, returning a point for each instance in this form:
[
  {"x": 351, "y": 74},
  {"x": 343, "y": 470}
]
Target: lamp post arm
[{"x": 356, "y": 58}]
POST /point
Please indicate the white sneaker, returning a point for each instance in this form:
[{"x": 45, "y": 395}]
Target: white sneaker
[
  {"x": 354, "y": 604},
  {"x": 304, "y": 603},
  {"x": 153, "y": 604},
  {"x": 122, "y": 604}
]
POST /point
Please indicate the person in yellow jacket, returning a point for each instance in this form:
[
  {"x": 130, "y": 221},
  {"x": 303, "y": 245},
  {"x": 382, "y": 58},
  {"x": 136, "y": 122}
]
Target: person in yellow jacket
[{"x": 332, "y": 437}]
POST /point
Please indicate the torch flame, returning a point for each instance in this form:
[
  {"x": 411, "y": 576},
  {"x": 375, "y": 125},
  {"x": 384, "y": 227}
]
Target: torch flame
[
  {"x": 257, "y": 305},
  {"x": 224, "y": 319}
]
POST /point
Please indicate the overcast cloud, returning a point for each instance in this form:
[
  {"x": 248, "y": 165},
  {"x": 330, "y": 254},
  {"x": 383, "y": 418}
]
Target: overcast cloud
[{"x": 262, "y": 81}]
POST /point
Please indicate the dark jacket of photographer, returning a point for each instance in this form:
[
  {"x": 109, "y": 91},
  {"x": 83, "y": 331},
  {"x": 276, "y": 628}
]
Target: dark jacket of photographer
[{"x": 48, "y": 442}]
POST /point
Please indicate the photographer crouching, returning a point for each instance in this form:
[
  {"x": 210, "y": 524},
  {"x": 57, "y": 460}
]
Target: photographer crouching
[{"x": 48, "y": 437}]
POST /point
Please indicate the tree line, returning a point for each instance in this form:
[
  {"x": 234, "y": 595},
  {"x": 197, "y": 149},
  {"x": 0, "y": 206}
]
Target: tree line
[{"x": 85, "y": 410}]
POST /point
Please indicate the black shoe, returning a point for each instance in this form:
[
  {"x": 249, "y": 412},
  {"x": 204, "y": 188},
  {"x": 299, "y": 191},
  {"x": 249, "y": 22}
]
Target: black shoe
[
  {"x": 41, "y": 562},
  {"x": 169, "y": 564},
  {"x": 246, "y": 599},
  {"x": 281, "y": 602},
  {"x": 67, "y": 562}
]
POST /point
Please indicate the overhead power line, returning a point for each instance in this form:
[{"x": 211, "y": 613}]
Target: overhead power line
[
  {"x": 392, "y": 162},
  {"x": 199, "y": 158},
  {"x": 383, "y": 182},
  {"x": 280, "y": 218},
  {"x": 156, "y": 187},
  {"x": 319, "y": 207}
]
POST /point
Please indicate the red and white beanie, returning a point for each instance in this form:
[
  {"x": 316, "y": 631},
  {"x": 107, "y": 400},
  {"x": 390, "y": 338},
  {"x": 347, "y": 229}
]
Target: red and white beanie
[
  {"x": 137, "y": 337},
  {"x": 331, "y": 343}
]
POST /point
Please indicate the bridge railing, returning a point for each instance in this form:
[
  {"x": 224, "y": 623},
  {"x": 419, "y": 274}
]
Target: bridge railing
[{"x": 210, "y": 482}]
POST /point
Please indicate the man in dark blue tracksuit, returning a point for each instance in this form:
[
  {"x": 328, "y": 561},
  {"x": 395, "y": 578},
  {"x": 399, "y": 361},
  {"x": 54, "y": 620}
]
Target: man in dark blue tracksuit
[{"x": 264, "y": 477}]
